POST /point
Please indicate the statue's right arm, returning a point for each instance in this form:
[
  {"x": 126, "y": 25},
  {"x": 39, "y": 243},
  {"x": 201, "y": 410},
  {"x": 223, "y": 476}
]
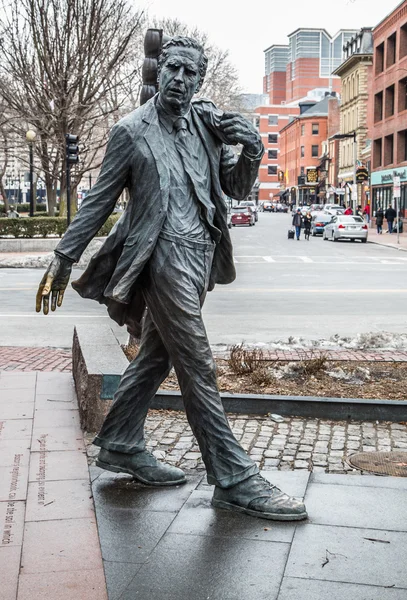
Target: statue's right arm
[
  {"x": 102, "y": 198},
  {"x": 95, "y": 209}
]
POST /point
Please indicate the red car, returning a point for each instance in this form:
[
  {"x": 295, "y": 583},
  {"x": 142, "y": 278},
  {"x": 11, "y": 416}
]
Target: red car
[{"x": 242, "y": 215}]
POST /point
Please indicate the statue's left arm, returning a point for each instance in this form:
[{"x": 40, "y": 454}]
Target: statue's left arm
[{"x": 238, "y": 174}]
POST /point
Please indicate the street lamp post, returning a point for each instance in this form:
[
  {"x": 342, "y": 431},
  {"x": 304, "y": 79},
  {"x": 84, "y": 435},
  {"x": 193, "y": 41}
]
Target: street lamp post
[{"x": 30, "y": 137}]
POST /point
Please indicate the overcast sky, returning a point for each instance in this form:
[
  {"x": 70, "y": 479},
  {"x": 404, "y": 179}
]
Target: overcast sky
[{"x": 247, "y": 28}]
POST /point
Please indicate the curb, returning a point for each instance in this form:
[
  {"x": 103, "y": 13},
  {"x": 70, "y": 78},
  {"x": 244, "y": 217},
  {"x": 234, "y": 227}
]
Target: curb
[
  {"x": 342, "y": 409},
  {"x": 392, "y": 246}
]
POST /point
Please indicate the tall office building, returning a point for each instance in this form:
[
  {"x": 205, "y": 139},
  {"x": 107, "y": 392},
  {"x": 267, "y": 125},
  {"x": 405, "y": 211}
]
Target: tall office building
[
  {"x": 274, "y": 82},
  {"x": 298, "y": 72},
  {"x": 313, "y": 57}
]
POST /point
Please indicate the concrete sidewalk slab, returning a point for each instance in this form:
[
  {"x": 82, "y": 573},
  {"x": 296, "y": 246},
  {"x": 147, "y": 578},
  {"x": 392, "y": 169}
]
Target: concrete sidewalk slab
[{"x": 352, "y": 546}]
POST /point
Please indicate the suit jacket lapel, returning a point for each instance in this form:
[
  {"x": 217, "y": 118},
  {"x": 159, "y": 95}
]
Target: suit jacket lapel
[{"x": 155, "y": 141}]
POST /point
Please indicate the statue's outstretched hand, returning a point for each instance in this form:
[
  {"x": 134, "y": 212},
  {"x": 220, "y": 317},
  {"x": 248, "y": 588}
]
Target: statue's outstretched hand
[{"x": 54, "y": 282}]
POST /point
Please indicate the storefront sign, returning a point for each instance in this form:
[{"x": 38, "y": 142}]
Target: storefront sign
[
  {"x": 312, "y": 176},
  {"x": 386, "y": 177},
  {"x": 362, "y": 174}
]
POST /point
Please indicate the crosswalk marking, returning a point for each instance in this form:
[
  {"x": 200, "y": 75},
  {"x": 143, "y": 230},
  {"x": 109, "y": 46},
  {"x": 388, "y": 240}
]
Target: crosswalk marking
[{"x": 319, "y": 260}]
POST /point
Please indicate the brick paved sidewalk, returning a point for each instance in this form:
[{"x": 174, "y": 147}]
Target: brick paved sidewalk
[
  {"x": 16, "y": 358},
  {"x": 389, "y": 240}
]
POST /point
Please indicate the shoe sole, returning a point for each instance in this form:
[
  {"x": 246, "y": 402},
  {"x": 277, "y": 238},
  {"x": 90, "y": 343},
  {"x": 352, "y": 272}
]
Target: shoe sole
[
  {"x": 261, "y": 515},
  {"x": 116, "y": 469}
]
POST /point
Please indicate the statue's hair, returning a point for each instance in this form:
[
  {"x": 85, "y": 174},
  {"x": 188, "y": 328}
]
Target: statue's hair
[{"x": 185, "y": 42}]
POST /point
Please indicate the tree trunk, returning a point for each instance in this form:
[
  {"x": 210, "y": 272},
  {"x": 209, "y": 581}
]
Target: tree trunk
[
  {"x": 51, "y": 198},
  {"x": 4, "y": 195}
]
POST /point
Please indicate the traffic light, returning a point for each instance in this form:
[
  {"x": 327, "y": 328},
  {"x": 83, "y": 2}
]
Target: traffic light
[
  {"x": 72, "y": 148},
  {"x": 153, "y": 43}
]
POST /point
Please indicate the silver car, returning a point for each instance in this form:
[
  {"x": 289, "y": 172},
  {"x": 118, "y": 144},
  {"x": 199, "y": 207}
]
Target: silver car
[{"x": 343, "y": 227}]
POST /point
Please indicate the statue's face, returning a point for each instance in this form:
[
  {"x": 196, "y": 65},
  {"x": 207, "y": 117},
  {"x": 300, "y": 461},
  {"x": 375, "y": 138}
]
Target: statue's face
[{"x": 179, "y": 77}]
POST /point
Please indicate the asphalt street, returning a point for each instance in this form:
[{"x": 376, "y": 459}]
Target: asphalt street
[{"x": 313, "y": 289}]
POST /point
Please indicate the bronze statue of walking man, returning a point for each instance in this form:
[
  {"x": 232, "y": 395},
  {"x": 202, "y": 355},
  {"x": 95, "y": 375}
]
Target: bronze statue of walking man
[{"x": 168, "y": 249}]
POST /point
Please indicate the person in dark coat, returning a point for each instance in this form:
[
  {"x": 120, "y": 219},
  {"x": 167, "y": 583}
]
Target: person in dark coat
[
  {"x": 298, "y": 223},
  {"x": 379, "y": 220},
  {"x": 307, "y": 225},
  {"x": 169, "y": 248},
  {"x": 390, "y": 215}
]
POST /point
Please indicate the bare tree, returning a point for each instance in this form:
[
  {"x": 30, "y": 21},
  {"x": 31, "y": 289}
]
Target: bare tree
[{"x": 64, "y": 68}]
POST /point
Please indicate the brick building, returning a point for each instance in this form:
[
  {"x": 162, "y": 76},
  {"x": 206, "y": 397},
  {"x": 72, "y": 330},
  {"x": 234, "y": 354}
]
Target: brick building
[
  {"x": 301, "y": 150},
  {"x": 300, "y": 72},
  {"x": 389, "y": 108},
  {"x": 356, "y": 78}
]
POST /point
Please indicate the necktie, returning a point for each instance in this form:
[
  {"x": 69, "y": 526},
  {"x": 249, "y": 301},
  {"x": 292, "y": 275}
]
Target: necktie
[{"x": 190, "y": 161}]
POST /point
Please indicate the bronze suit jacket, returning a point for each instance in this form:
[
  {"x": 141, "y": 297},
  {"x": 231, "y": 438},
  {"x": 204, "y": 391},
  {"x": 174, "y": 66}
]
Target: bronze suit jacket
[{"x": 135, "y": 158}]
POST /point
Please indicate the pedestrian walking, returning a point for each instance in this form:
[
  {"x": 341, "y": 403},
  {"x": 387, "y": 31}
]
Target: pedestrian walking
[
  {"x": 379, "y": 220},
  {"x": 298, "y": 223},
  {"x": 366, "y": 212},
  {"x": 348, "y": 211},
  {"x": 390, "y": 215},
  {"x": 307, "y": 225}
]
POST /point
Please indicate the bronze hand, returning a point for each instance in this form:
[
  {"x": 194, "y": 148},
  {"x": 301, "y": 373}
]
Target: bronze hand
[{"x": 54, "y": 281}]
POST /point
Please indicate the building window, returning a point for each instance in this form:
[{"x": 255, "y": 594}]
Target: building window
[
  {"x": 257, "y": 122},
  {"x": 377, "y": 153},
  {"x": 388, "y": 149},
  {"x": 378, "y": 107},
  {"x": 273, "y": 120},
  {"x": 403, "y": 94},
  {"x": 273, "y": 138},
  {"x": 302, "y": 129},
  {"x": 272, "y": 154},
  {"x": 389, "y": 109},
  {"x": 403, "y": 40},
  {"x": 379, "y": 59},
  {"x": 302, "y": 171},
  {"x": 315, "y": 129},
  {"x": 391, "y": 50},
  {"x": 315, "y": 151},
  {"x": 402, "y": 146},
  {"x": 302, "y": 151},
  {"x": 272, "y": 169}
]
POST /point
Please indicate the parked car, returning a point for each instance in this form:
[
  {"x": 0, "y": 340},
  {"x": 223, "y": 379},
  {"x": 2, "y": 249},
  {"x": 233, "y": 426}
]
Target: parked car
[
  {"x": 253, "y": 206},
  {"x": 242, "y": 215},
  {"x": 334, "y": 209},
  {"x": 319, "y": 220},
  {"x": 346, "y": 227},
  {"x": 267, "y": 206}
]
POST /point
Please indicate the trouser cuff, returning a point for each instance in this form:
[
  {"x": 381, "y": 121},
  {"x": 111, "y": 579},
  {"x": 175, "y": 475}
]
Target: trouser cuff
[
  {"x": 231, "y": 480},
  {"x": 124, "y": 448}
]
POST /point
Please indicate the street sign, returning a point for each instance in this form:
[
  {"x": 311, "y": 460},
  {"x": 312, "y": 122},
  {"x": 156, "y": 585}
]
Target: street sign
[
  {"x": 396, "y": 187},
  {"x": 354, "y": 191}
]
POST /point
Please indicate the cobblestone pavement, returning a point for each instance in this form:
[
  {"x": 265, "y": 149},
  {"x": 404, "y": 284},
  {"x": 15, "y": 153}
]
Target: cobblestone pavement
[
  {"x": 17, "y": 358},
  {"x": 298, "y": 443}
]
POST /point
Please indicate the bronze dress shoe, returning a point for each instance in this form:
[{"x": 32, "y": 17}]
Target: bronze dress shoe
[
  {"x": 143, "y": 466},
  {"x": 257, "y": 497}
]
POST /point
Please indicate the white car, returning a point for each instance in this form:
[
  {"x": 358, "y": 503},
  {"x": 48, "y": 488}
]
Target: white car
[
  {"x": 343, "y": 227},
  {"x": 334, "y": 209}
]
